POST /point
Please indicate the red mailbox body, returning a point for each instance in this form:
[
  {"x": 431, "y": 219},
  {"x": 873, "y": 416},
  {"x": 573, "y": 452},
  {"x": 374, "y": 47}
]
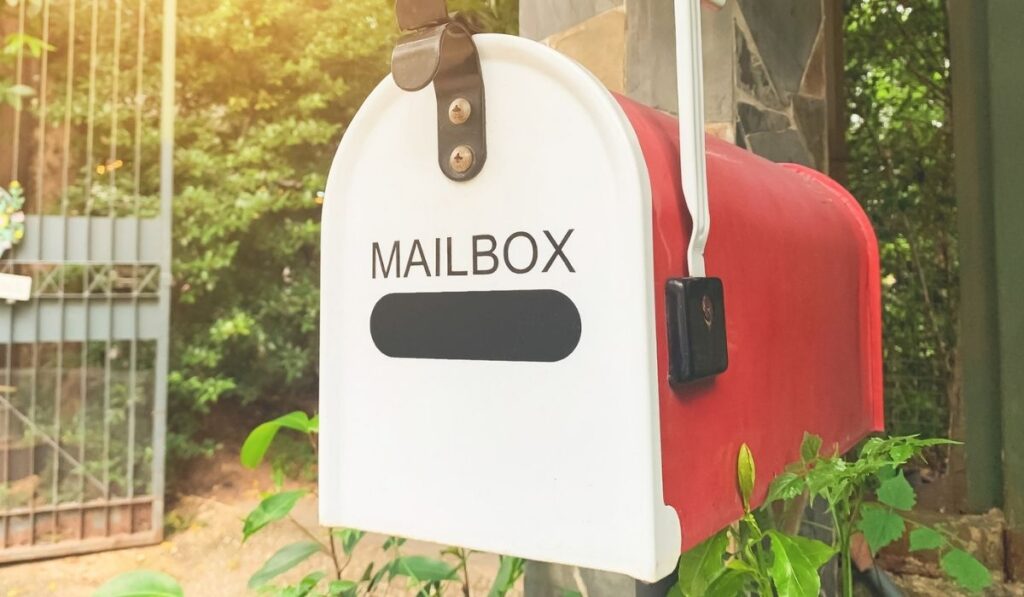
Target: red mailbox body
[{"x": 799, "y": 262}]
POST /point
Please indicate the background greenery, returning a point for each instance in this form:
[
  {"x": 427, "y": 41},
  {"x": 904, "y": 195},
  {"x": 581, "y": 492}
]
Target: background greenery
[
  {"x": 265, "y": 91},
  {"x": 901, "y": 168},
  {"x": 247, "y": 221}
]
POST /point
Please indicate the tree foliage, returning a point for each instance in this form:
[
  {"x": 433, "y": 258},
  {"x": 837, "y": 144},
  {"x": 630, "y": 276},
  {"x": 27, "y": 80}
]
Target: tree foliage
[
  {"x": 901, "y": 167},
  {"x": 266, "y": 89}
]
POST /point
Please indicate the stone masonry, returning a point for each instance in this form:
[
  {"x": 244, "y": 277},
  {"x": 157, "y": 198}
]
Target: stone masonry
[{"x": 768, "y": 66}]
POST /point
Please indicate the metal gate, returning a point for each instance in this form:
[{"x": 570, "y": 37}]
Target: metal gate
[{"x": 83, "y": 361}]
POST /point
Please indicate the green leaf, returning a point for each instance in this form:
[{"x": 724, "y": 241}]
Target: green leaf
[
  {"x": 349, "y": 539},
  {"x": 271, "y": 509},
  {"x": 740, "y": 566},
  {"x": 886, "y": 472},
  {"x": 938, "y": 441},
  {"x": 902, "y": 449},
  {"x": 33, "y": 44},
  {"x": 810, "y": 447},
  {"x": 260, "y": 438},
  {"x": 509, "y": 571},
  {"x": 795, "y": 564},
  {"x": 880, "y": 526},
  {"x": 871, "y": 447},
  {"x": 830, "y": 478},
  {"x": 901, "y": 453},
  {"x": 786, "y": 487},
  {"x": 968, "y": 572},
  {"x": 392, "y": 542},
  {"x": 284, "y": 560},
  {"x": 925, "y": 538},
  {"x": 367, "y": 573},
  {"x": 571, "y": 593},
  {"x": 897, "y": 492},
  {"x": 21, "y": 90},
  {"x": 700, "y": 566},
  {"x": 309, "y": 582},
  {"x": 140, "y": 583},
  {"x": 423, "y": 569},
  {"x": 341, "y": 588},
  {"x": 729, "y": 584},
  {"x": 257, "y": 443},
  {"x": 379, "y": 575},
  {"x": 745, "y": 475}
]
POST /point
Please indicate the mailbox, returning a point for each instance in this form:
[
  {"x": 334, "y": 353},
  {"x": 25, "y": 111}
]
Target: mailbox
[{"x": 498, "y": 348}]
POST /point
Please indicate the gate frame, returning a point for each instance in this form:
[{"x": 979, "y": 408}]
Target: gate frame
[{"x": 161, "y": 364}]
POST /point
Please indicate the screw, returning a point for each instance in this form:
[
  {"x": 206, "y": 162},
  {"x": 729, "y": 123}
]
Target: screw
[
  {"x": 709, "y": 310},
  {"x": 459, "y": 111},
  {"x": 461, "y": 159}
]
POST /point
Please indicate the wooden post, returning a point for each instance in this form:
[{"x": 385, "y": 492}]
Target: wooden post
[{"x": 987, "y": 50}]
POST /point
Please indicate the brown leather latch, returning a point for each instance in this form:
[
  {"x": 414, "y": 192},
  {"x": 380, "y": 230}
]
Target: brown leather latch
[{"x": 436, "y": 49}]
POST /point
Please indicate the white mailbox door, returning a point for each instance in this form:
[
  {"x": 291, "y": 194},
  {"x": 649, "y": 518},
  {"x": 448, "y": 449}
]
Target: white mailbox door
[{"x": 488, "y": 365}]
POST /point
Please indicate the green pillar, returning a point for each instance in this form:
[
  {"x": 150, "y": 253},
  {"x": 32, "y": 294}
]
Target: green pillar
[
  {"x": 1006, "y": 75},
  {"x": 988, "y": 82},
  {"x": 979, "y": 325}
]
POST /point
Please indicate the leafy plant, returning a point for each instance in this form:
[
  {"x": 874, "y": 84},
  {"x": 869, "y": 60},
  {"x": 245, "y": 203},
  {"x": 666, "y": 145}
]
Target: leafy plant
[
  {"x": 284, "y": 560},
  {"x": 13, "y": 47},
  {"x": 745, "y": 558},
  {"x": 140, "y": 583},
  {"x": 255, "y": 145},
  {"x": 846, "y": 486},
  {"x": 264, "y": 93},
  {"x": 260, "y": 438},
  {"x": 427, "y": 576},
  {"x": 271, "y": 509},
  {"x": 510, "y": 569}
]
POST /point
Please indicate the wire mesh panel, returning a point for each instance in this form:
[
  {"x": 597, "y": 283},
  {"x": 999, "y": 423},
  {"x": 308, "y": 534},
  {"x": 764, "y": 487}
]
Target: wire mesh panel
[{"x": 86, "y": 138}]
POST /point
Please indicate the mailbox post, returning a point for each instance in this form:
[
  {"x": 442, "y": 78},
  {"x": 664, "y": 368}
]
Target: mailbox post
[{"x": 519, "y": 350}]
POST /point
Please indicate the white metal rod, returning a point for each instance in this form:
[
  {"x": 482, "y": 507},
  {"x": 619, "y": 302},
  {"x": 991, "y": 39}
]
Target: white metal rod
[{"x": 693, "y": 163}]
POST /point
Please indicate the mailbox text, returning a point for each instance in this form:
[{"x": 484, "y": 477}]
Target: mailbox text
[{"x": 481, "y": 255}]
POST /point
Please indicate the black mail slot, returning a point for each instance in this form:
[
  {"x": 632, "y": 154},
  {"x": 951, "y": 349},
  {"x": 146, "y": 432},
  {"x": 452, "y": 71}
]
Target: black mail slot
[{"x": 505, "y": 325}]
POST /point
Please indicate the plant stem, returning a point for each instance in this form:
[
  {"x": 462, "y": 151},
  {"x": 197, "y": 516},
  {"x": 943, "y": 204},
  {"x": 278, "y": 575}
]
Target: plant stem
[
  {"x": 309, "y": 534},
  {"x": 819, "y": 526},
  {"x": 847, "y": 573},
  {"x": 464, "y": 562},
  {"x": 845, "y": 559},
  {"x": 334, "y": 556}
]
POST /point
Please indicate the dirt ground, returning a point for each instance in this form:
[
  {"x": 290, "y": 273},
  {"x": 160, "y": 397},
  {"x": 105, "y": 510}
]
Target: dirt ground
[{"x": 203, "y": 548}]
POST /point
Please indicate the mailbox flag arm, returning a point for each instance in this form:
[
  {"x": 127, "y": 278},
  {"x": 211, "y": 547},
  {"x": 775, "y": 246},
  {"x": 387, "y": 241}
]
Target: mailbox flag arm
[
  {"x": 696, "y": 321},
  {"x": 690, "y": 81}
]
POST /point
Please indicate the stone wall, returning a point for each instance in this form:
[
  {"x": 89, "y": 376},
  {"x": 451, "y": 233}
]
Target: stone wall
[{"x": 771, "y": 68}]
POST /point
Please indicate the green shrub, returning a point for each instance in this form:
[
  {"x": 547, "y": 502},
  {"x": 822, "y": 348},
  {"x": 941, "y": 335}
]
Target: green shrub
[{"x": 265, "y": 93}]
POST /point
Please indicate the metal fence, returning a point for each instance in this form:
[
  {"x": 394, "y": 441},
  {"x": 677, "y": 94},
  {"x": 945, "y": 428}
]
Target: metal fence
[{"x": 83, "y": 362}]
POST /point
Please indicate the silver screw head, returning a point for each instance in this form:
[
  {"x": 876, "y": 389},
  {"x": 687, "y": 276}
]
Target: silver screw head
[
  {"x": 459, "y": 111},
  {"x": 461, "y": 159}
]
